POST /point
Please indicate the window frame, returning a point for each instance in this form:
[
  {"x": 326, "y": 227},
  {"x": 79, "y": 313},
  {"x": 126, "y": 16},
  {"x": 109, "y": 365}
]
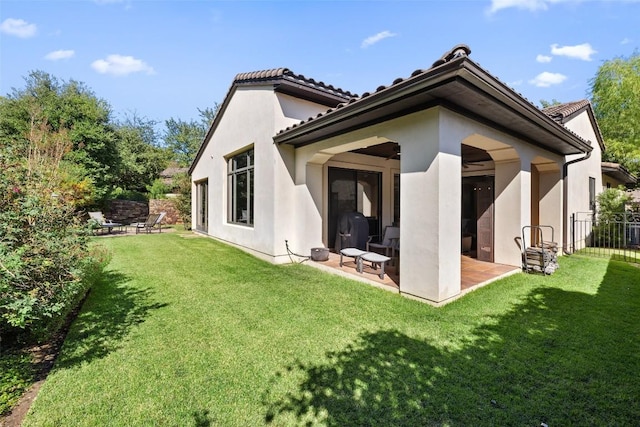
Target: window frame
[
  {"x": 241, "y": 165},
  {"x": 592, "y": 193}
]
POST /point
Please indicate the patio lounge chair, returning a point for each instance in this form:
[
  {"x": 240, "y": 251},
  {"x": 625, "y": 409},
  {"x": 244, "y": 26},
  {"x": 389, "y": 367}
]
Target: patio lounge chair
[
  {"x": 389, "y": 244},
  {"x": 99, "y": 219},
  {"x": 151, "y": 222}
]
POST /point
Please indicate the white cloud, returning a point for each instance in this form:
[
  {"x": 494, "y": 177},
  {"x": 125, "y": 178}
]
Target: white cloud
[
  {"x": 580, "y": 51},
  {"x": 532, "y": 5},
  {"x": 376, "y": 38},
  {"x": 119, "y": 65},
  {"x": 18, "y": 27},
  {"x": 59, "y": 54},
  {"x": 515, "y": 83},
  {"x": 547, "y": 79},
  {"x": 543, "y": 58},
  {"x": 625, "y": 40}
]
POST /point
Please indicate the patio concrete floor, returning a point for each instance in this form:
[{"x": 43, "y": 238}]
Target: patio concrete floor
[{"x": 474, "y": 273}]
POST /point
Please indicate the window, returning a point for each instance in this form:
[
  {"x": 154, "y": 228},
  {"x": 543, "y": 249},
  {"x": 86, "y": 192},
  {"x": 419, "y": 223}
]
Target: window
[
  {"x": 592, "y": 193},
  {"x": 240, "y": 185},
  {"x": 202, "y": 191}
]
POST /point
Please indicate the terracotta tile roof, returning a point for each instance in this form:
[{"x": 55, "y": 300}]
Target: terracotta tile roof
[
  {"x": 286, "y": 74},
  {"x": 561, "y": 112},
  {"x": 275, "y": 76},
  {"x": 458, "y": 51}
]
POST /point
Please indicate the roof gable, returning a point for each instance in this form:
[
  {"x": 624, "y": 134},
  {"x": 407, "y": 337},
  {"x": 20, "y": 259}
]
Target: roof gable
[
  {"x": 565, "y": 112},
  {"x": 282, "y": 80}
]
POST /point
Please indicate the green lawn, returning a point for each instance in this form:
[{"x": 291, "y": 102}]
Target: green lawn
[{"x": 193, "y": 332}]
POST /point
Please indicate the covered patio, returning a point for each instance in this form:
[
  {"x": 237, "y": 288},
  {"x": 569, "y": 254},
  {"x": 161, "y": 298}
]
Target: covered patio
[{"x": 437, "y": 119}]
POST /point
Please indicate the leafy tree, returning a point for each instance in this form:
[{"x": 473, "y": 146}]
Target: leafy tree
[
  {"x": 141, "y": 159},
  {"x": 158, "y": 190},
  {"x": 70, "y": 107},
  {"x": 547, "y": 104},
  {"x": 182, "y": 184},
  {"x": 183, "y": 138},
  {"x": 615, "y": 95}
]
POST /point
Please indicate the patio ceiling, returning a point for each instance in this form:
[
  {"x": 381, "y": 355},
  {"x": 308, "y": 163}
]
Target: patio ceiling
[{"x": 459, "y": 85}]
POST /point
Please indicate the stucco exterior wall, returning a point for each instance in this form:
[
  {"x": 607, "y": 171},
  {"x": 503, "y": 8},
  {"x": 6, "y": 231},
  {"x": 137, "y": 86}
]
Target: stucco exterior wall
[
  {"x": 251, "y": 118},
  {"x": 578, "y": 174},
  {"x": 608, "y": 182}
]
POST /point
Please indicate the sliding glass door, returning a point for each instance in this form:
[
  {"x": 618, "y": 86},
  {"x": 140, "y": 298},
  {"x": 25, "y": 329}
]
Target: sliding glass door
[
  {"x": 353, "y": 190},
  {"x": 202, "y": 202}
]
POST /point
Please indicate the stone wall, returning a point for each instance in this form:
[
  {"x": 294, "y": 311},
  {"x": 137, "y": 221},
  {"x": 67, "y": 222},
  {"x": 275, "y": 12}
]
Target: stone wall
[
  {"x": 165, "y": 205},
  {"x": 126, "y": 211}
]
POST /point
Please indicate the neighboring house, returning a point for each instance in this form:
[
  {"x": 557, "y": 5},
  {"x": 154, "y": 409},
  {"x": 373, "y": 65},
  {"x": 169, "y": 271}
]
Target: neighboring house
[
  {"x": 615, "y": 175},
  {"x": 446, "y": 150}
]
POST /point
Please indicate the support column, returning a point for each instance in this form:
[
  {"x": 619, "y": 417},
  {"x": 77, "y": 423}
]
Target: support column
[
  {"x": 430, "y": 209},
  {"x": 512, "y": 208},
  {"x": 551, "y": 203}
]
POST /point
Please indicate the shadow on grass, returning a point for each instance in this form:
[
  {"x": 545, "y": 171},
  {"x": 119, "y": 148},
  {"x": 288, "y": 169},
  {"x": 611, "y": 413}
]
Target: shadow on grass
[
  {"x": 111, "y": 310},
  {"x": 558, "y": 357},
  {"x": 202, "y": 418}
]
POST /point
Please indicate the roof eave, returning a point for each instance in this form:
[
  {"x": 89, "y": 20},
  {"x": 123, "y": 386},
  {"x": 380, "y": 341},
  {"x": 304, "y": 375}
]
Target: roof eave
[{"x": 460, "y": 68}]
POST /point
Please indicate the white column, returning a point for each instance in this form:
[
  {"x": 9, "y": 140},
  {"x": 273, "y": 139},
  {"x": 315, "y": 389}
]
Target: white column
[
  {"x": 551, "y": 203},
  {"x": 512, "y": 208},
  {"x": 430, "y": 206}
]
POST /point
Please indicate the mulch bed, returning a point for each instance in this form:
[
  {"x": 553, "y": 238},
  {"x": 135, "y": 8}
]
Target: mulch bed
[{"x": 44, "y": 357}]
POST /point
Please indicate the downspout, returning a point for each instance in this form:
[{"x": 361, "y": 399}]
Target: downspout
[{"x": 565, "y": 170}]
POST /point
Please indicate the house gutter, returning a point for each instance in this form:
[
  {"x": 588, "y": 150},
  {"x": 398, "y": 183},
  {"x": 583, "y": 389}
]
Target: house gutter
[{"x": 565, "y": 170}]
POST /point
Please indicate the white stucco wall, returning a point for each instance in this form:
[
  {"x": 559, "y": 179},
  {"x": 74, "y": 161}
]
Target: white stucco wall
[
  {"x": 251, "y": 118},
  {"x": 578, "y": 174}
]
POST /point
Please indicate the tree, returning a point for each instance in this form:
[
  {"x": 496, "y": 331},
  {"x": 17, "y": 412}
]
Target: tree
[
  {"x": 141, "y": 159},
  {"x": 615, "y": 96},
  {"x": 547, "y": 104},
  {"x": 183, "y": 138},
  {"x": 183, "y": 201},
  {"x": 70, "y": 107}
]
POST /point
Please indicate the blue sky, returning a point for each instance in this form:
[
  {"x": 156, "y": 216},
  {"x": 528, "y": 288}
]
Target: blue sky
[{"x": 163, "y": 59}]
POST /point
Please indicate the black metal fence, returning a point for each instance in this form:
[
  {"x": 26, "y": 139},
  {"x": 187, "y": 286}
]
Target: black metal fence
[{"x": 606, "y": 235}]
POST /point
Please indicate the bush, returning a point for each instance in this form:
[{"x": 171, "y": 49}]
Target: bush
[
  {"x": 158, "y": 190},
  {"x": 44, "y": 257},
  {"x": 43, "y": 254},
  {"x": 183, "y": 201},
  {"x": 136, "y": 196},
  {"x": 610, "y": 230}
]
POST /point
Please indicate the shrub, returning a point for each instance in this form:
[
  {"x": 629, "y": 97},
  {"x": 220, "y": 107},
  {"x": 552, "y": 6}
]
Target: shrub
[
  {"x": 43, "y": 241},
  {"x": 183, "y": 201},
  {"x": 610, "y": 230},
  {"x": 158, "y": 189}
]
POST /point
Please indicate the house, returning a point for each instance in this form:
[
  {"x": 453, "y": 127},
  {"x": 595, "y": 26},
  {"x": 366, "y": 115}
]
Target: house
[
  {"x": 614, "y": 175},
  {"x": 447, "y": 150}
]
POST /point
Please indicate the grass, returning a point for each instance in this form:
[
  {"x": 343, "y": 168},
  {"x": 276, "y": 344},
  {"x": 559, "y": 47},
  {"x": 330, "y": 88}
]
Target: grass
[{"x": 192, "y": 332}]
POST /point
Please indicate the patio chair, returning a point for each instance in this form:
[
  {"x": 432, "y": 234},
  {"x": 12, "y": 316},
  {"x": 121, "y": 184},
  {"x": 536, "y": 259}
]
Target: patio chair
[
  {"x": 151, "y": 222},
  {"x": 99, "y": 219},
  {"x": 389, "y": 244}
]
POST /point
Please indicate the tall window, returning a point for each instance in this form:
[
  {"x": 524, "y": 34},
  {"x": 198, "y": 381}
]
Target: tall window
[
  {"x": 592, "y": 193},
  {"x": 240, "y": 184},
  {"x": 202, "y": 205}
]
